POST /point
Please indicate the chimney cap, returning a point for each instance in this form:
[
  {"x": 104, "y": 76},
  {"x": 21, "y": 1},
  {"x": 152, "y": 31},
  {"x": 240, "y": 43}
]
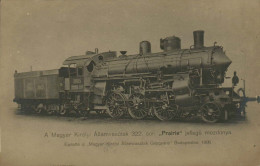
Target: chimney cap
[{"x": 199, "y": 31}]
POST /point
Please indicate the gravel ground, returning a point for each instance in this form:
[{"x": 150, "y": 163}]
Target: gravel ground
[{"x": 52, "y": 140}]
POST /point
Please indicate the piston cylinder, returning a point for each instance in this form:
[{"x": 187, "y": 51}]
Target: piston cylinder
[{"x": 186, "y": 100}]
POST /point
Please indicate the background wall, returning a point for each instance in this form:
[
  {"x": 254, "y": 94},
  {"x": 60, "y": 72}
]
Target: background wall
[{"x": 42, "y": 34}]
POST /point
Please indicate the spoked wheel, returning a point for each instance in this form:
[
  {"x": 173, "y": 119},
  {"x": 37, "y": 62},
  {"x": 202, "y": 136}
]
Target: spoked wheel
[
  {"x": 116, "y": 104},
  {"x": 164, "y": 111},
  {"x": 64, "y": 109},
  {"x": 51, "y": 109},
  {"x": 40, "y": 108},
  {"x": 24, "y": 108},
  {"x": 137, "y": 106},
  {"x": 82, "y": 110},
  {"x": 32, "y": 109},
  {"x": 210, "y": 112}
]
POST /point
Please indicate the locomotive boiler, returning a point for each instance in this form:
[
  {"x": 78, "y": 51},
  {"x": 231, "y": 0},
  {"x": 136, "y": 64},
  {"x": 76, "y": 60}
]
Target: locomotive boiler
[{"x": 172, "y": 84}]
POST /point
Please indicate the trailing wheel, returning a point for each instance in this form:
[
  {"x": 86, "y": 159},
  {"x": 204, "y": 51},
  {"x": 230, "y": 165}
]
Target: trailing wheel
[
  {"x": 164, "y": 111},
  {"x": 137, "y": 108},
  {"x": 116, "y": 104},
  {"x": 40, "y": 108},
  {"x": 210, "y": 112}
]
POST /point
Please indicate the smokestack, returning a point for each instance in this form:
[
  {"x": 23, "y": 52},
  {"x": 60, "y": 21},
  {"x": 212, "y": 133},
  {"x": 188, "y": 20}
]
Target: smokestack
[{"x": 198, "y": 39}]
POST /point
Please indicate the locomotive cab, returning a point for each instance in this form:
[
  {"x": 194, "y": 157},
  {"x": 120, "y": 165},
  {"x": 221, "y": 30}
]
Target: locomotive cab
[{"x": 78, "y": 77}]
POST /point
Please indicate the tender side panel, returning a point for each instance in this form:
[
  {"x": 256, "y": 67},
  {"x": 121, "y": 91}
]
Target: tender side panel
[
  {"x": 46, "y": 85},
  {"x": 40, "y": 87},
  {"x": 29, "y": 88},
  {"x": 52, "y": 87}
]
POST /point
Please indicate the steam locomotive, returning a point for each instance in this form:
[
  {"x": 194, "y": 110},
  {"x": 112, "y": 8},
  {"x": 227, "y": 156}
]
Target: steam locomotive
[{"x": 173, "y": 84}]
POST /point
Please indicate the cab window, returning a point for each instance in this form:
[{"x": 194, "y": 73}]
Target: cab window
[
  {"x": 72, "y": 70},
  {"x": 80, "y": 71},
  {"x": 90, "y": 67}
]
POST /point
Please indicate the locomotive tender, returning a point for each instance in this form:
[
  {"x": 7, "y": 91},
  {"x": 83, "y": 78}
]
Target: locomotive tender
[{"x": 174, "y": 83}]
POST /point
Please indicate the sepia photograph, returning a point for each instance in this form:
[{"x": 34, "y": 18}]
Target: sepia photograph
[{"x": 128, "y": 82}]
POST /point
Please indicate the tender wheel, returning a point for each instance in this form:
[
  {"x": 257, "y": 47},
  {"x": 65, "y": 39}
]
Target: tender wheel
[
  {"x": 27, "y": 109},
  {"x": 137, "y": 106},
  {"x": 164, "y": 112},
  {"x": 116, "y": 105},
  {"x": 32, "y": 109},
  {"x": 40, "y": 108},
  {"x": 51, "y": 109},
  {"x": 24, "y": 108},
  {"x": 210, "y": 112},
  {"x": 64, "y": 109}
]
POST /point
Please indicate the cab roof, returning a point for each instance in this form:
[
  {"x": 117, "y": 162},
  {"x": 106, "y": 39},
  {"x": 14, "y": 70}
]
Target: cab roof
[
  {"x": 78, "y": 59},
  {"x": 86, "y": 59}
]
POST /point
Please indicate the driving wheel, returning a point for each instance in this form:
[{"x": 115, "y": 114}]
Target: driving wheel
[
  {"x": 116, "y": 104},
  {"x": 137, "y": 106}
]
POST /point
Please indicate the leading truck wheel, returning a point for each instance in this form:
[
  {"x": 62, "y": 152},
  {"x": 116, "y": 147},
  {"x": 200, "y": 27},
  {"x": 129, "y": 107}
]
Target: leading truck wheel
[
  {"x": 137, "y": 106},
  {"x": 116, "y": 104},
  {"x": 210, "y": 112}
]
